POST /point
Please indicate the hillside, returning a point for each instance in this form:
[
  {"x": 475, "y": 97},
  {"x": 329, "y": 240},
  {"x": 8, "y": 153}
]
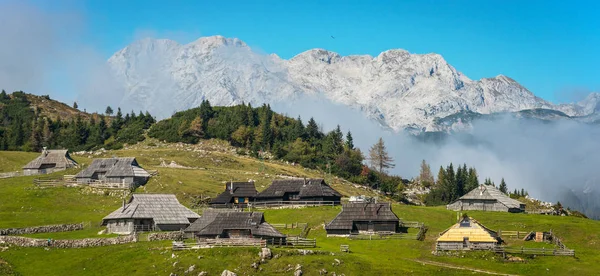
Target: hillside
[
  {"x": 401, "y": 90},
  {"x": 211, "y": 163}
]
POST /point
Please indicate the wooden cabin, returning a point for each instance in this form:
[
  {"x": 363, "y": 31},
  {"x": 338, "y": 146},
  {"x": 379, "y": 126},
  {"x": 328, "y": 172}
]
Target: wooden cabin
[
  {"x": 125, "y": 170},
  {"x": 231, "y": 224},
  {"x": 468, "y": 234},
  {"x": 299, "y": 189},
  {"x": 149, "y": 212},
  {"x": 487, "y": 198},
  {"x": 237, "y": 194},
  {"x": 358, "y": 218},
  {"x": 49, "y": 161}
]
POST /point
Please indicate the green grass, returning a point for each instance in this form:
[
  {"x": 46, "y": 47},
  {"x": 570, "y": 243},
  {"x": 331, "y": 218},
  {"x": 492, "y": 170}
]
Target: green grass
[
  {"x": 23, "y": 205},
  {"x": 12, "y": 161}
]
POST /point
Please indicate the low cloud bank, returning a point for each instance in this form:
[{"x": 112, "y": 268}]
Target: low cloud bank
[{"x": 553, "y": 161}]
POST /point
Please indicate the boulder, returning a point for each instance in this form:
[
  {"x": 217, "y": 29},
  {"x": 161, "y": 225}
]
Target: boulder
[
  {"x": 265, "y": 253},
  {"x": 228, "y": 273}
]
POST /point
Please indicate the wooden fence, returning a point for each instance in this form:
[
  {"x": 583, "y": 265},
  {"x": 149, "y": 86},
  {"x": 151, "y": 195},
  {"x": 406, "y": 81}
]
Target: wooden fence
[
  {"x": 384, "y": 236},
  {"x": 536, "y": 251},
  {"x": 293, "y": 242},
  {"x": 289, "y": 225},
  {"x": 513, "y": 234},
  {"x": 210, "y": 243},
  {"x": 71, "y": 182}
]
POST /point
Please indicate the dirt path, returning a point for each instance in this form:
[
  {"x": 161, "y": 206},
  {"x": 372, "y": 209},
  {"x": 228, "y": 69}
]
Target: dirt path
[{"x": 458, "y": 267}]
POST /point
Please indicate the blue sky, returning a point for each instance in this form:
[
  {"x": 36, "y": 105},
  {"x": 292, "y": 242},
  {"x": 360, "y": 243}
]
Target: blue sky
[{"x": 551, "y": 47}]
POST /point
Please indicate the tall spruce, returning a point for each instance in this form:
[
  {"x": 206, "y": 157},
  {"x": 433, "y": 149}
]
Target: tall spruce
[
  {"x": 473, "y": 180},
  {"x": 379, "y": 158},
  {"x": 503, "y": 188},
  {"x": 349, "y": 140},
  {"x": 451, "y": 182},
  {"x": 109, "y": 111}
]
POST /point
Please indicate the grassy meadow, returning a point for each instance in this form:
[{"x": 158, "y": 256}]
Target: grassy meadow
[{"x": 211, "y": 163}]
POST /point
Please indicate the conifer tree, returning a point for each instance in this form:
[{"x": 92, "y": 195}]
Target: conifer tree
[
  {"x": 379, "y": 157},
  {"x": 75, "y": 105},
  {"x": 473, "y": 181},
  {"x": 349, "y": 140},
  {"x": 109, "y": 111},
  {"x": 503, "y": 188}
]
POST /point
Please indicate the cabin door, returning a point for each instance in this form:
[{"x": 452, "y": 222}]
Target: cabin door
[
  {"x": 370, "y": 226},
  {"x": 466, "y": 243}
]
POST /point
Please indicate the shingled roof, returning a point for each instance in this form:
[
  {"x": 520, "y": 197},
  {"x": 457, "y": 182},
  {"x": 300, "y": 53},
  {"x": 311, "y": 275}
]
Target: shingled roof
[
  {"x": 61, "y": 158},
  {"x": 162, "y": 208},
  {"x": 488, "y": 192},
  {"x": 114, "y": 167},
  {"x": 314, "y": 187},
  {"x": 468, "y": 227},
  {"x": 235, "y": 189},
  {"x": 213, "y": 223},
  {"x": 352, "y": 212}
]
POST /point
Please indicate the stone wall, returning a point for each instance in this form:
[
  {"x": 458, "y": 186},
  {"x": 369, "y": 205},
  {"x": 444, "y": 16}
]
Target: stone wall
[
  {"x": 90, "y": 242},
  {"x": 42, "y": 229},
  {"x": 162, "y": 236}
]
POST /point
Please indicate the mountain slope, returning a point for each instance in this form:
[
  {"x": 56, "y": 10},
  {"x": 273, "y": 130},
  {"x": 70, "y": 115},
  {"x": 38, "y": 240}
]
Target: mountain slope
[{"x": 399, "y": 89}]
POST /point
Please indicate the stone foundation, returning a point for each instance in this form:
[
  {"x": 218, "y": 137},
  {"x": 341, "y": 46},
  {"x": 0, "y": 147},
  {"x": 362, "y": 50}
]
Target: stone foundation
[{"x": 42, "y": 229}]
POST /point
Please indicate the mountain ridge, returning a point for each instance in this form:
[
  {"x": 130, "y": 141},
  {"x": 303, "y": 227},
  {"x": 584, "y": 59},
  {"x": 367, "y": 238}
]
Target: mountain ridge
[{"x": 399, "y": 89}]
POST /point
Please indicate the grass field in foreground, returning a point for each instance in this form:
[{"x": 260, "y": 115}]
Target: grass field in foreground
[{"x": 23, "y": 205}]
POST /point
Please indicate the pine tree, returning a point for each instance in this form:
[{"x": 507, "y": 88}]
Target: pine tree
[
  {"x": 425, "y": 175},
  {"x": 503, "y": 188},
  {"x": 117, "y": 122},
  {"x": 206, "y": 113},
  {"x": 451, "y": 182},
  {"x": 312, "y": 131},
  {"x": 349, "y": 140},
  {"x": 379, "y": 157},
  {"x": 75, "y": 105},
  {"x": 109, "y": 111},
  {"x": 461, "y": 182},
  {"x": 35, "y": 139},
  {"x": 298, "y": 131},
  {"x": 473, "y": 180}
]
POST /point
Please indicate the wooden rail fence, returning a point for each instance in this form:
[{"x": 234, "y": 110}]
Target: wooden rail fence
[
  {"x": 209, "y": 243},
  {"x": 536, "y": 251},
  {"x": 71, "y": 182}
]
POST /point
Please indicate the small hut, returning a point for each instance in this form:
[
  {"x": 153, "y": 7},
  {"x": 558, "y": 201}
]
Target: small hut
[
  {"x": 468, "y": 234},
  {"x": 358, "y": 218},
  {"x": 49, "y": 161},
  {"x": 237, "y": 194},
  {"x": 299, "y": 189},
  {"x": 231, "y": 224},
  {"x": 487, "y": 198},
  {"x": 125, "y": 170},
  {"x": 149, "y": 212}
]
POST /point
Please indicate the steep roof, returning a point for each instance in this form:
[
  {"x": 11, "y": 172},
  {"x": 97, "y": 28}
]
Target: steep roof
[
  {"x": 162, "y": 208},
  {"x": 315, "y": 187},
  {"x": 61, "y": 158},
  {"x": 213, "y": 223},
  {"x": 468, "y": 228},
  {"x": 114, "y": 167},
  {"x": 235, "y": 189},
  {"x": 352, "y": 212},
  {"x": 485, "y": 192}
]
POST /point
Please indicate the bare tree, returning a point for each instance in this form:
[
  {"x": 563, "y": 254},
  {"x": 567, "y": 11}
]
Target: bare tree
[
  {"x": 426, "y": 177},
  {"x": 379, "y": 158}
]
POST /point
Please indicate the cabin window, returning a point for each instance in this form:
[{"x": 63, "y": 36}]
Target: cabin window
[
  {"x": 294, "y": 196},
  {"x": 241, "y": 200}
]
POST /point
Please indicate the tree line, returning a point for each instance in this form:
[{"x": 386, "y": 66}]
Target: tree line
[
  {"x": 260, "y": 129},
  {"x": 28, "y": 129},
  {"x": 451, "y": 184}
]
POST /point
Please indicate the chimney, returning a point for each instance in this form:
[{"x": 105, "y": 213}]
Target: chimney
[
  {"x": 231, "y": 187},
  {"x": 304, "y": 182},
  {"x": 45, "y": 151},
  {"x": 123, "y": 209}
]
